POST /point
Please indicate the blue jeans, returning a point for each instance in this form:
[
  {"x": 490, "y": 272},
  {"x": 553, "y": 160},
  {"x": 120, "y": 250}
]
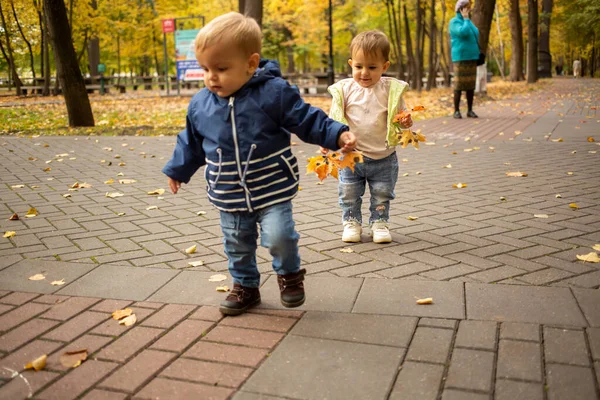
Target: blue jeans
[
  {"x": 277, "y": 234},
  {"x": 381, "y": 175}
]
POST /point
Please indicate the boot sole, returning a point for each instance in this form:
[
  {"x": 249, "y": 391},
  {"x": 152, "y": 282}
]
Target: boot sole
[
  {"x": 293, "y": 305},
  {"x": 237, "y": 311}
]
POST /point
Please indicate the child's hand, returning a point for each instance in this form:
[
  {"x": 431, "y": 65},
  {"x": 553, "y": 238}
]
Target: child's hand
[
  {"x": 174, "y": 185},
  {"x": 323, "y": 150},
  {"x": 406, "y": 121},
  {"x": 347, "y": 142}
]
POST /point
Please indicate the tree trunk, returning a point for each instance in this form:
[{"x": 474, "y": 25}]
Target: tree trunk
[
  {"x": 544, "y": 56},
  {"x": 69, "y": 74},
  {"x": 501, "y": 65},
  {"x": 31, "y": 62},
  {"x": 253, "y": 9},
  {"x": 11, "y": 61},
  {"x": 409, "y": 50},
  {"x": 516, "y": 35},
  {"x": 93, "y": 48},
  {"x": 398, "y": 32},
  {"x": 444, "y": 55},
  {"x": 532, "y": 35},
  {"x": 483, "y": 13},
  {"x": 432, "y": 48},
  {"x": 45, "y": 54},
  {"x": 419, "y": 21}
]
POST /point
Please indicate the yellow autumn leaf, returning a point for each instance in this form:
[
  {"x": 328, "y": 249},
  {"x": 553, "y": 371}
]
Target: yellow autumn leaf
[
  {"x": 346, "y": 250},
  {"x": 558, "y": 196},
  {"x": 217, "y": 278},
  {"x": 541, "y": 215},
  {"x": 73, "y": 359},
  {"x": 447, "y": 166},
  {"x": 31, "y": 213},
  {"x": 66, "y": 195},
  {"x": 17, "y": 186},
  {"x": 9, "y": 234},
  {"x": 37, "y": 364},
  {"x": 557, "y": 140},
  {"x": 574, "y": 206},
  {"x": 157, "y": 192},
  {"x": 427, "y": 300},
  {"x": 590, "y": 139},
  {"x": 118, "y": 314},
  {"x": 37, "y": 277},
  {"x": 201, "y": 213},
  {"x": 459, "y": 185},
  {"x": 590, "y": 257},
  {"x": 411, "y": 218},
  {"x": 516, "y": 174},
  {"x": 58, "y": 283},
  {"x": 191, "y": 249},
  {"x": 596, "y": 247},
  {"x": 196, "y": 263},
  {"x": 129, "y": 320},
  {"x": 110, "y": 181},
  {"x": 114, "y": 195},
  {"x": 152, "y": 208},
  {"x": 222, "y": 288}
]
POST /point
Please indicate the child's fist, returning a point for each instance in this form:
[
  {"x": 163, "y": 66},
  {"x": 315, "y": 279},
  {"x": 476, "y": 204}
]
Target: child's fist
[
  {"x": 174, "y": 185},
  {"x": 323, "y": 150},
  {"x": 406, "y": 121},
  {"x": 347, "y": 142}
]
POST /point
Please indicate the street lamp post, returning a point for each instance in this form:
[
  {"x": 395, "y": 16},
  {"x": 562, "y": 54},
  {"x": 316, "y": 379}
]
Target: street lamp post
[{"x": 330, "y": 76}]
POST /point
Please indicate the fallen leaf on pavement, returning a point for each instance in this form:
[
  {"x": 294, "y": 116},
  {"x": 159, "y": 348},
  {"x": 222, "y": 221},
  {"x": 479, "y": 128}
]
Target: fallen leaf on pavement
[
  {"x": 541, "y": 215},
  {"x": 157, "y": 192},
  {"x": 459, "y": 185},
  {"x": 516, "y": 174},
  {"x": 114, "y": 195},
  {"x": 17, "y": 186},
  {"x": 590, "y": 257},
  {"x": 569, "y": 173},
  {"x": 590, "y": 139},
  {"x": 217, "y": 278},
  {"x": 427, "y": 300},
  {"x": 14, "y": 217},
  {"x": 152, "y": 208},
  {"x": 196, "y": 263},
  {"x": 66, "y": 195},
  {"x": 558, "y": 196},
  {"x": 502, "y": 198},
  {"x": 9, "y": 234},
  {"x": 201, "y": 213},
  {"x": 222, "y": 289},
  {"x": 37, "y": 364},
  {"x": 191, "y": 249},
  {"x": 557, "y": 140},
  {"x": 128, "y": 321},
  {"x": 110, "y": 181},
  {"x": 447, "y": 166},
  {"x": 37, "y": 277},
  {"x": 73, "y": 359},
  {"x": 118, "y": 314},
  {"x": 346, "y": 250},
  {"x": 58, "y": 283},
  {"x": 411, "y": 218},
  {"x": 31, "y": 213},
  {"x": 127, "y": 181},
  {"x": 596, "y": 247},
  {"x": 573, "y": 206}
]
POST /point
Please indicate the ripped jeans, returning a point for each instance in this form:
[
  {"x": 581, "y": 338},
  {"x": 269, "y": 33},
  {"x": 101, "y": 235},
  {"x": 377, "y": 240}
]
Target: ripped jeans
[{"x": 381, "y": 175}]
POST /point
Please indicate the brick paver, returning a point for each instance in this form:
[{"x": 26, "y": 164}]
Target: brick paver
[{"x": 514, "y": 313}]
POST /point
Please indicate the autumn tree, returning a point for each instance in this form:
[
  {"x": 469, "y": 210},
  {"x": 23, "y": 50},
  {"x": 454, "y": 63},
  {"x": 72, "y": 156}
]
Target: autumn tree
[
  {"x": 252, "y": 8},
  {"x": 7, "y": 52},
  {"x": 69, "y": 74},
  {"x": 544, "y": 56},
  {"x": 532, "y": 35},
  {"x": 516, "y": 35}
]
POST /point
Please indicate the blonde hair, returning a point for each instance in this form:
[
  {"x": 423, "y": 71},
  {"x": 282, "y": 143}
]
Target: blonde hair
[
  {"x": 232, "y": 27},
  {"x": 371, "y": 42}
]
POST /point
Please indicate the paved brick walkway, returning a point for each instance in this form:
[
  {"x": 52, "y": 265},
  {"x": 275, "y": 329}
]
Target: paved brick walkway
[{"x": 515, "y": 314}]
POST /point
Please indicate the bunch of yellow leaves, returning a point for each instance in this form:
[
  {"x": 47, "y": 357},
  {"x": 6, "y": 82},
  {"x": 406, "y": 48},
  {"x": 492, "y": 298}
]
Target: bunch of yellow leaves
[
  {"x": 406, "y": 135},
  {"x": 330, "y": 163}
]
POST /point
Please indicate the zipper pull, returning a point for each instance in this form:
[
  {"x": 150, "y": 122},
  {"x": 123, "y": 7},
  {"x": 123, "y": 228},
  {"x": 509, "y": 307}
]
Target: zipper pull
[{"x": 229, "y": 108}]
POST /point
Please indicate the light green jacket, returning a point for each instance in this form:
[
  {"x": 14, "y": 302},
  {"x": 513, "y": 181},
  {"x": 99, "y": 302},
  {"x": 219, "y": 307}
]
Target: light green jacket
[{"x": 395, "y": 104}]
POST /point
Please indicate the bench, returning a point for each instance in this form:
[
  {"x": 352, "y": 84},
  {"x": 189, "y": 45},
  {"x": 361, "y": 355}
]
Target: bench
[
  {"x": 94, "y": 87},
  {"x": 32, "y": 90}
]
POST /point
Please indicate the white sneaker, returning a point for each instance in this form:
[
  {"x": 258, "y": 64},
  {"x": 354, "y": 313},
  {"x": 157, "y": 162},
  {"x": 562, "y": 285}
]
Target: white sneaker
[
  {"x": 352, "y": 231},
  {"x": 381, "y": 232}
]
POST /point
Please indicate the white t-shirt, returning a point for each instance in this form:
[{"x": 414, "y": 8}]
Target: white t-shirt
[{"x": 366, "y": 110}]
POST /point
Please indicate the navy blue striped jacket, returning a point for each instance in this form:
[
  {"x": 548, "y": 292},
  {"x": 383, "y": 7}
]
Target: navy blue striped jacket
[{"x": 245, "y": 141}]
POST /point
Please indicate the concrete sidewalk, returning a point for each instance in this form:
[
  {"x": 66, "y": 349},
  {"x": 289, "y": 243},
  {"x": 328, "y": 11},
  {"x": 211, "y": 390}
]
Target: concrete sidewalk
[{"x": 514, "y": 314}]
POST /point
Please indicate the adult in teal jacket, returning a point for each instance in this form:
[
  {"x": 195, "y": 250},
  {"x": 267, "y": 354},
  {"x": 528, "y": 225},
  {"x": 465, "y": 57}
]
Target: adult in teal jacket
[{"x": 464, "y": 37}]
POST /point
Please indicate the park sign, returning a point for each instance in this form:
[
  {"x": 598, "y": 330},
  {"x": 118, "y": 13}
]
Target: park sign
[
  {"x": 185, "y": 56},
  {"x": 168, "y": 25}
]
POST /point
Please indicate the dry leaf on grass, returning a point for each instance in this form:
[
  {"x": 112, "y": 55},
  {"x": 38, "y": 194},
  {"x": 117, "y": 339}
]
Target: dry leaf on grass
[
  {"x": 516, "y": 174},
  {"x": 346, "y": 250},
  {"x": 156, "y": 192},
  {"x": 14, "y": 217},
  {"x": 37, "y": 277},
  {"x": 9, "y": 234},
  {"x": 590, "y": 257},
  {"x": 222, "y": 289},
  {"x": 217, "y": 278},
  {"x": 427, "y": 300},
  {"x": 73, "y": 359},
  {"x": 191, "y": 249},
  {"x": 58, "y": 283},
  {"x": 32, "y": 213},
  {"x": 118, "y": 314},
  {"x": 37, "y": 364},
  {"x": 128, "y": 321}
]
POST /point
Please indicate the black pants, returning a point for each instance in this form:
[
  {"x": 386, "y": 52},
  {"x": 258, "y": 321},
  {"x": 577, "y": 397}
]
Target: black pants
[{"x": 470, "y": 95}]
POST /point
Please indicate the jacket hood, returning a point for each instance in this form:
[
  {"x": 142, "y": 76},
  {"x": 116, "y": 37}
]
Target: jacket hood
[{"x": 267, "y": 69}]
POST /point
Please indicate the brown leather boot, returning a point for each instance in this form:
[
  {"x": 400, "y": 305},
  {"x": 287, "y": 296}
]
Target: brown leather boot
[
  {"x": 291, "y": 287},
  {"x": 240, "y": 300}
]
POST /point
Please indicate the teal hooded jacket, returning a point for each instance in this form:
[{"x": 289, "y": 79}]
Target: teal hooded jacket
[{"x": 464, "y": 37}]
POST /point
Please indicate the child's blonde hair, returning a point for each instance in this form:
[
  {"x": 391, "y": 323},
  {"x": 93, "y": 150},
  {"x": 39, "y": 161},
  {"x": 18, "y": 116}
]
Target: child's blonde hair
[
  {"x": 232, "y": 27},
  {"x": 371, "y": 42}
]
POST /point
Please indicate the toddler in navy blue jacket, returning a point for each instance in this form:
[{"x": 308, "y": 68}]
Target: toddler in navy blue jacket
[{"x": 239, "y": 127}]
